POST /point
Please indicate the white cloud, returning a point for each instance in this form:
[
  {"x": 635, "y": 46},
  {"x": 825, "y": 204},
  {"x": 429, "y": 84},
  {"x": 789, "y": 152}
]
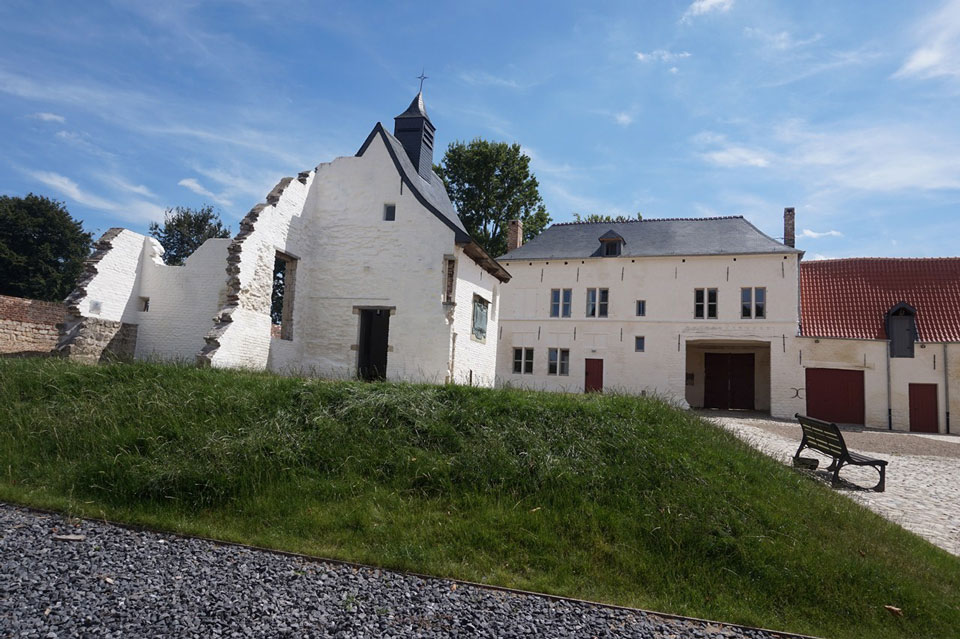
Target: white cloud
[
  {"x": 732, "y": 155},
  {"x": 780, "y": 41},
  {"x": 199, "y": 189},
  {"x": 134, "y": 211},
  {"x": 674, "y": 70},
  {"x": 700, "y": 7},
  {"x": 817, "y": 235},
  {"x": 938, "y": 52},
  {"x": 48, "y": 117},
  {"x": 623, "y": 118},
  {"x": 661, "y": 55},
  {"x": 123, "y": 185}
]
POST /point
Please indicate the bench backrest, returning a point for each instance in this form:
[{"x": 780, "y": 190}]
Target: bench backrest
[{"x": 824, "y": 436}]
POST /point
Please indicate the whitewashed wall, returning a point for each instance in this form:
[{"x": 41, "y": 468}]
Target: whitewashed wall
[
  {"x": 667, "y": 284},
  {"x": 183, "y": 300},
  {"x": 475, "y": 362},
  {"x": 111, "y": 294}
]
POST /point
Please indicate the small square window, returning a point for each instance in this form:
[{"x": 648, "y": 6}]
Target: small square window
[
  {"x": 523, "y": 361},
  {"x": 641, "y": 308},
  {"x": 144, "y": 304},
  {"x": 389, "y": 212},
  {"x": 639, "y": 343}
]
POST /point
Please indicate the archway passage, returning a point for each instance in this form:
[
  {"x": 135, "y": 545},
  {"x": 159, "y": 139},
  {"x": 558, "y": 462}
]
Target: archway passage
[{"x": 728, "y": 374}]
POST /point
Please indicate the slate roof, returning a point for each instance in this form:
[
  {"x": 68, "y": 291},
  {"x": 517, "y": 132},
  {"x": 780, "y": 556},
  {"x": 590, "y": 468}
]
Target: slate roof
[
  {"x": 432, "y": 194},
  {"x": 850, "y": 297},
  {"x": 648, "y": 238},
  {"x": 416, "y": 109}
]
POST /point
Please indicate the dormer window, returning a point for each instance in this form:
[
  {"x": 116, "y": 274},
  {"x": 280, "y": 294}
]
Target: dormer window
[
  {"x": 611, "y": 244},
  {"x": 901, "y": 324}
]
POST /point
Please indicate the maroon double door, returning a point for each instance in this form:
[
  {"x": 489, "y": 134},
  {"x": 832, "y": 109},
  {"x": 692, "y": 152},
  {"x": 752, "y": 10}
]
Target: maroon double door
[{"x": 728, "y": 380}]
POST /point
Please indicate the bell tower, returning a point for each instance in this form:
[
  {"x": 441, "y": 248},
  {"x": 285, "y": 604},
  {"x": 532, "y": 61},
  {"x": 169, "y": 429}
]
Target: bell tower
[{"x": 415, "y": 131}]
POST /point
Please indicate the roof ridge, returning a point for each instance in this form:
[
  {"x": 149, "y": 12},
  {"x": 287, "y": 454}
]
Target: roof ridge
[
  {"x": 654, "y": 219},
  {"x": 834, "y": 260}
]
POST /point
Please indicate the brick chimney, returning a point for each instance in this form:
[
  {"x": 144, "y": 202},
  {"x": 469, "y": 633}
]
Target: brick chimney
[
  {"x": 514, "y": 235},
  {"x": 789, "y": 230}
]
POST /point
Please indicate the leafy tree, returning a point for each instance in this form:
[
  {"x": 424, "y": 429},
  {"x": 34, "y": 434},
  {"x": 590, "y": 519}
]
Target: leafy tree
[
  {"x": 599, "y": 217},
  {"x": 185, "y": 229},
  {"x": 42, "y": 248},
  {"x": 490, "y": 183}
]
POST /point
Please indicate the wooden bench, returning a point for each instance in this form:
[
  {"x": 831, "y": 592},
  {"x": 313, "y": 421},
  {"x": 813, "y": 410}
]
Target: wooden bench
[{"x": 826, "y": 438}]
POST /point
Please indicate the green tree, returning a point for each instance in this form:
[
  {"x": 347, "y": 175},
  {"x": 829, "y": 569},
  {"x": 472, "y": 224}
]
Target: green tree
[
  {"x": 185, "y": 229},
  {"x": 599, "y": 217},
  {"x": 42, "y": 248},
  {"x": 490, "y": 183}
]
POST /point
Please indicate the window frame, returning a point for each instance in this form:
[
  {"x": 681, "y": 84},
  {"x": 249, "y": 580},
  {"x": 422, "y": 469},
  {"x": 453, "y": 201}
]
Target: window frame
[
  {"x": 481, "y": 308},
  {"x": 389, "y": 212},
  {"x": 591, "y": 310},
  {"x": 558, "y": 362},
  {"x": 753, "y": 302},
  {"x": 555, "y": 295},
  {"x": 641, "y": 308},
  {"x": 639, "y": 343},
  {"x": 522, "y": 360},
  {"x": 703, "y": 307}
]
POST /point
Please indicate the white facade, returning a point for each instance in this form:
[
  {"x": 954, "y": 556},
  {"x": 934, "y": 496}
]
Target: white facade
[
  {"x": 671, "y": 363},
  {"x": 346, "y": 258}
]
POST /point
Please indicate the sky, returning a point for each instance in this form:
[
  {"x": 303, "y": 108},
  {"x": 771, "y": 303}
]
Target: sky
[{"x": 847, "y": 111}]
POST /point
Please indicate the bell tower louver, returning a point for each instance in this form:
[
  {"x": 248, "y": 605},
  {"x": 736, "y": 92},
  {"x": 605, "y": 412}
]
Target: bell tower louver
[{"x": 415, "y": 131}]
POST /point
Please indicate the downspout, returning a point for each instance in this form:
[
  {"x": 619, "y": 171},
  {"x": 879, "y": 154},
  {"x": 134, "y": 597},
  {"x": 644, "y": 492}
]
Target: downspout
[
  {"x": 889, "y": 401},
  {"x": 946, "y": 385}
]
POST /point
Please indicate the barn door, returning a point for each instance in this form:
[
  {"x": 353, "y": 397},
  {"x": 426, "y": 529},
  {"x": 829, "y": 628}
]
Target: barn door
[
  {"x": 923, "y": 408},
  {"x": 728, "y": 380},
  {"x": 372, "y": 356},
  {"x": 593, "y": 376},
  {"x": 835, "y": 395}
]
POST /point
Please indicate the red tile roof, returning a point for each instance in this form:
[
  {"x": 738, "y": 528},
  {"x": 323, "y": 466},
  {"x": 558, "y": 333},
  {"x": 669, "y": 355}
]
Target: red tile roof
[{"x": 850, "y": 297}]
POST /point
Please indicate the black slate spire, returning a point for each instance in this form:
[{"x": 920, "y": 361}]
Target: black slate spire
[{"x": 415, "y": 131}]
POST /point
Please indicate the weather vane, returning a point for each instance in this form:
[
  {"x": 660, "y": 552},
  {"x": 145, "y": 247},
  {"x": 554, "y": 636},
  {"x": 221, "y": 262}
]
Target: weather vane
[{"x": 422, "y": 77}]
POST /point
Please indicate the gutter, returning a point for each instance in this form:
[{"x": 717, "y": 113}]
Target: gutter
[
  {"x": 889, "y": 404},
  {"x": 946, "y": 385}
]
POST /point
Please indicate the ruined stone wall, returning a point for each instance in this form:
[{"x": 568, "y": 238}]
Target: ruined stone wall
[
  {"x": 99, "y": 310},
  {"x": 29, "y": 326}
]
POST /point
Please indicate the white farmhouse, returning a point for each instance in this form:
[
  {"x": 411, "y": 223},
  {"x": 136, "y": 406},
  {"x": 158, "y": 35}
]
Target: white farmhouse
[
  {"x": 380, "y": 279},
  {"x": 696, "y": 310}
]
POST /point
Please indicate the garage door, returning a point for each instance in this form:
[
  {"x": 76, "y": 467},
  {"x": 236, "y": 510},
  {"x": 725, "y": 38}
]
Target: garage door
[{"x": 835, "y": 395}]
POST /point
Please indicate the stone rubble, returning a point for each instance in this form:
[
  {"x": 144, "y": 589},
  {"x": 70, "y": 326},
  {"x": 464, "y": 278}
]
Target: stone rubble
[{"x": 122, "y": 583}]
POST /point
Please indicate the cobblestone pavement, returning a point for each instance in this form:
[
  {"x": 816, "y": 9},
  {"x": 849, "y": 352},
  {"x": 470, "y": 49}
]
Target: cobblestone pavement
[
  {"x": 923, "y": 476},
  {"x": 71, "y": 578}
]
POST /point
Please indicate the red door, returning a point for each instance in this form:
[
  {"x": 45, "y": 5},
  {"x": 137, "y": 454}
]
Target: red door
[
  {"x": 593, "y": 381},
  {"x": 923, "y": 408},
  {"x": 728, "y": 380},
  {"x": 835, "y": 395}
]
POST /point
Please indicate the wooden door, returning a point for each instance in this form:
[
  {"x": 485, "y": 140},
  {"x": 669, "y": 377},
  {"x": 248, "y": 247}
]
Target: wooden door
[
  {"x": 729, "y": 380},
  {"x": 593, "y": 376},
  {"x": 372, "y": 356},
  {"x": 924, "y": 417},
  {"x": 835, "y": 395}
]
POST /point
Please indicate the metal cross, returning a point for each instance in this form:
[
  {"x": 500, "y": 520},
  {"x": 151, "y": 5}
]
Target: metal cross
[{"x": 422, "y": 77}]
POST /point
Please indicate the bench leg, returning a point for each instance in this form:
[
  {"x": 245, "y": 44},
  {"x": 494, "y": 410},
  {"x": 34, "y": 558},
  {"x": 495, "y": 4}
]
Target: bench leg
[
  {"x": 836, "y": 465},
  {"x": 883, "y": 476}
]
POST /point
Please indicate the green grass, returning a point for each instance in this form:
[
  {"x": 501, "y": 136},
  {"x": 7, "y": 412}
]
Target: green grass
[{"x": 611, "y": 498}]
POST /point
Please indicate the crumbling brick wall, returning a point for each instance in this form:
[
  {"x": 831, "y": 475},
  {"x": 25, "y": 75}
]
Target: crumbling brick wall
[{"x": 29, "y": 326}]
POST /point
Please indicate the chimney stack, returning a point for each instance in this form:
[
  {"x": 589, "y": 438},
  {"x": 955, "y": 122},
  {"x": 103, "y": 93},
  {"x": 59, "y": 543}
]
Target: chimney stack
[
  {"x": 514, "y": 235},
  {"x": 789, "y": 227}
]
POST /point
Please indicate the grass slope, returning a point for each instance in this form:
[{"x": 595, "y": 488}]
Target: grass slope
[{"x": 611, "y": 498}]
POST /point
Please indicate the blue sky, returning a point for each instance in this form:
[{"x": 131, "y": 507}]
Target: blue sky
[{"x": 680, "y": 108}]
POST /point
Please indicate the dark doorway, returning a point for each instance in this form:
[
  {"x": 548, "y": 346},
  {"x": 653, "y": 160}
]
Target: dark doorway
[
  {"x": 728, "y": 380},
  {"x": 372, "y": 357},
  {"x": 835, "y": 395},
  {"x": 923, "y": 408},
  {"x": 593, "y": 377}
]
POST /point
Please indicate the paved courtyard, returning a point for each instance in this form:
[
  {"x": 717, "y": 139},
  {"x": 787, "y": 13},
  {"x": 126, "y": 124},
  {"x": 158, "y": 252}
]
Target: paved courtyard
[{"x": 923, "y": 476}]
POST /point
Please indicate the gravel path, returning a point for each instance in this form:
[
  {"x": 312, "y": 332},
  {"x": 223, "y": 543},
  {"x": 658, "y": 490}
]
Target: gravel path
[
  {"x": 100, "y": 580},
  {"x": 923, "y": 476}
]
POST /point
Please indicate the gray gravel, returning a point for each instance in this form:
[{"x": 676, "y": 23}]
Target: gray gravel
[{"x": 116, "y": 582}]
